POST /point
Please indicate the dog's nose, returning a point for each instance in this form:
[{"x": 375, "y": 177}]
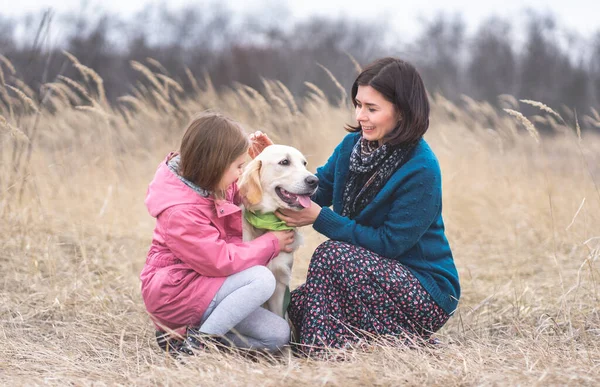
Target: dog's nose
[{"x": 312, "y": 181}]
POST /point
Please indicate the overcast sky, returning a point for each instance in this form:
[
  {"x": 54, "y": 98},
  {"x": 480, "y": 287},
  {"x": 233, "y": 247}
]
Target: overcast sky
[{"x": 580, "y": 16}]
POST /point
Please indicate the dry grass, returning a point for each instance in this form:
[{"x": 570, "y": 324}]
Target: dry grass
[{"x": 522, "y": 218}]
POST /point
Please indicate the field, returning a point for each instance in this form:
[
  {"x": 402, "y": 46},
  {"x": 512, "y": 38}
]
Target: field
[{"x": 522, "y": 214}]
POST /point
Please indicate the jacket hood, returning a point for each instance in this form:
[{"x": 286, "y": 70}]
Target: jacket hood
[{"x": 167, "y": 190}]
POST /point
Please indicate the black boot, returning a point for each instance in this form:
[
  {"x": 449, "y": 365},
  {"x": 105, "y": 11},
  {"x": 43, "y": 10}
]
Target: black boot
[
  {"x": 198, "y": 341},
  {"x": 172, "y": 347}
]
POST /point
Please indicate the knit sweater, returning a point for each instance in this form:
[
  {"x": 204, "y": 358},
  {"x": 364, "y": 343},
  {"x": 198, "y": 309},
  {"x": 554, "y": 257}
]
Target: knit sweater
[{"x": 403, "y": 222}]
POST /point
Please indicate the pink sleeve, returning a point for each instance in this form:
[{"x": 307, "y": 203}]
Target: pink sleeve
[{"x": 196, "y": 242}]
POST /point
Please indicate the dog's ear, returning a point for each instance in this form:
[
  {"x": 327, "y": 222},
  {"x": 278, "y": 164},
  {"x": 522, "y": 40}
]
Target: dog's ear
[{"x": 250, "y": 188}]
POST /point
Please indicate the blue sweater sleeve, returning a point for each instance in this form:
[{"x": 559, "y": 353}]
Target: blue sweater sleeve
[
  {"x": 326, "y": 175},
  {"x": 416, "y": 204}
]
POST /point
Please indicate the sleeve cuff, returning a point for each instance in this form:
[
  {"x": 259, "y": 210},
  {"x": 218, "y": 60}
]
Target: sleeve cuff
[
  {"x": 273, "y": 242},
  {"x": 330, "y": 223}
]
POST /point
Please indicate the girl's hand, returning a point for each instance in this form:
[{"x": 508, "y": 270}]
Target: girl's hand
[
  {"x": 300, "y": 218},
  {"x": 259, "y": 141},
  {"x": 285, "y": 239}
]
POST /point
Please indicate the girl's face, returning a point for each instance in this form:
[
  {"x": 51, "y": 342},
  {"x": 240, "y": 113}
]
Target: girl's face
[
  {"x": 232, "y": 173},
  {"x": 376, "y": 115}
]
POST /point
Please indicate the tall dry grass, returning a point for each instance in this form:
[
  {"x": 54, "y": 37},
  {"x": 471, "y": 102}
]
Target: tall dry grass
[{"x": 522, "y": 213}]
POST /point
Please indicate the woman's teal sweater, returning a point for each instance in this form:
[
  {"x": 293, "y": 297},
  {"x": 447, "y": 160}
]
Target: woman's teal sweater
[{"x": 403, "y": 222}]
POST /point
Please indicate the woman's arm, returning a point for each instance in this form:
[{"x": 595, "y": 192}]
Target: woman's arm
[{"x": 417, "y": 203}]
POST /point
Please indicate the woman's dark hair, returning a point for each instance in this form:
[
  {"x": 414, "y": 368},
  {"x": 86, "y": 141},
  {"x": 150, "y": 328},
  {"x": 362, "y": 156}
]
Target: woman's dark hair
[{"x": 400, "y": 83}]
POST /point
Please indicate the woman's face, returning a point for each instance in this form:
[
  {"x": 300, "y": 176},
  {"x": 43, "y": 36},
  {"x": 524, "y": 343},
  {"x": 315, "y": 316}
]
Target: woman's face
[{"x": 375, "y": 115}]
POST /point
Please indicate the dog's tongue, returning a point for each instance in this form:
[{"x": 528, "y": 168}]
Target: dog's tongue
[{"x": 304, "y": 201}]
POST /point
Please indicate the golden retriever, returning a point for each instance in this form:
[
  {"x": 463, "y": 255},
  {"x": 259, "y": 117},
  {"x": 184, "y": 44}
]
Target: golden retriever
[{"x": 277, "y": 178}]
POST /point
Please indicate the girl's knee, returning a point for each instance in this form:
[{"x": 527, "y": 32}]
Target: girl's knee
[{"x": 263, "y": 279}]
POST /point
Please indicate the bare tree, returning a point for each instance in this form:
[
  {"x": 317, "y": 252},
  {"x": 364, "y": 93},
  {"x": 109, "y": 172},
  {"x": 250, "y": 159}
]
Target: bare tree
[
  {"x": 440, "y": 53},
  {"x": 246, "y": 49},
  {"x": 492, "y": 69},
  {"x": 595, "y": 69}
]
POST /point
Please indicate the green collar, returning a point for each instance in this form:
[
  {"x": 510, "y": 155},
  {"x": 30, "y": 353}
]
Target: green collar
[{"x": 267, "y": 221}]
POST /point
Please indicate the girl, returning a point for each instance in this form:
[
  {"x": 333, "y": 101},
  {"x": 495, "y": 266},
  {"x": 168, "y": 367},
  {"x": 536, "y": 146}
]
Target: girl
[{"x": 199, "y": 277}]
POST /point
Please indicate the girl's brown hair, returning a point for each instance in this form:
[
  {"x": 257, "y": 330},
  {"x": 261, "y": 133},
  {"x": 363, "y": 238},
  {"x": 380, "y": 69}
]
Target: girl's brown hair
[{"x": 210, "y": 144}]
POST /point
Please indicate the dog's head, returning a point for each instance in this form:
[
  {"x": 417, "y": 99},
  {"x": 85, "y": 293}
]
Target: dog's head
[{"x": 277, "y": 178}]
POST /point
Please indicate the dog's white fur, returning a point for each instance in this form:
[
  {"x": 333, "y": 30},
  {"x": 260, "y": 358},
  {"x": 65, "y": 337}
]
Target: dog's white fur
[{"x": 276, "y": 167}]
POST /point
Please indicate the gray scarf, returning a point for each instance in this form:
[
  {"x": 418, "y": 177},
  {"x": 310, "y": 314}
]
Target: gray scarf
[
  {"x": 371, "y": 166},
  {"x": 173, "y": 165}
]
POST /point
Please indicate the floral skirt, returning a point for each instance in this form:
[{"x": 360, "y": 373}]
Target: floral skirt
[{"x": 352, "y": 294}]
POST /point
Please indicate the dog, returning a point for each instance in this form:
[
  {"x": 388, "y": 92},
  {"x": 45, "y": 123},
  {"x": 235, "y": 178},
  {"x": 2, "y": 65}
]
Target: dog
[{"x": 276, "y": 178}]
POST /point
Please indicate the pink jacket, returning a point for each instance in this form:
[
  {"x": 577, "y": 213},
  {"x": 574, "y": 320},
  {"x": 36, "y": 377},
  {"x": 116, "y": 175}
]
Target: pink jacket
[{"x": 197, "y": 243}]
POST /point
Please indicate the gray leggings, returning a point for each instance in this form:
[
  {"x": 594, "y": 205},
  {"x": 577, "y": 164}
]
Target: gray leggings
[{"x": 236, "y": 313}]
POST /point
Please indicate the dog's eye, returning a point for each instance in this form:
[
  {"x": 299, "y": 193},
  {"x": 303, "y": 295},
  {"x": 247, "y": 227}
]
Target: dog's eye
[
  {"x": 284, "y": 162},
  {"x": 304, "y": 162}
]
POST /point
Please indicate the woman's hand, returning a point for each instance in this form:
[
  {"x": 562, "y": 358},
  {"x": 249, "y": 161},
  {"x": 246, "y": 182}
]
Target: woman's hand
[
  {"x": 259, "y": 141},
  {"x": 300, "y": 218}
]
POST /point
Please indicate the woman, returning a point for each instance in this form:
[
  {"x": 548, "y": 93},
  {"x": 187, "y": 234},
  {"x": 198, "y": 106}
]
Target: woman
[{"x": 387, "y": 268}]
